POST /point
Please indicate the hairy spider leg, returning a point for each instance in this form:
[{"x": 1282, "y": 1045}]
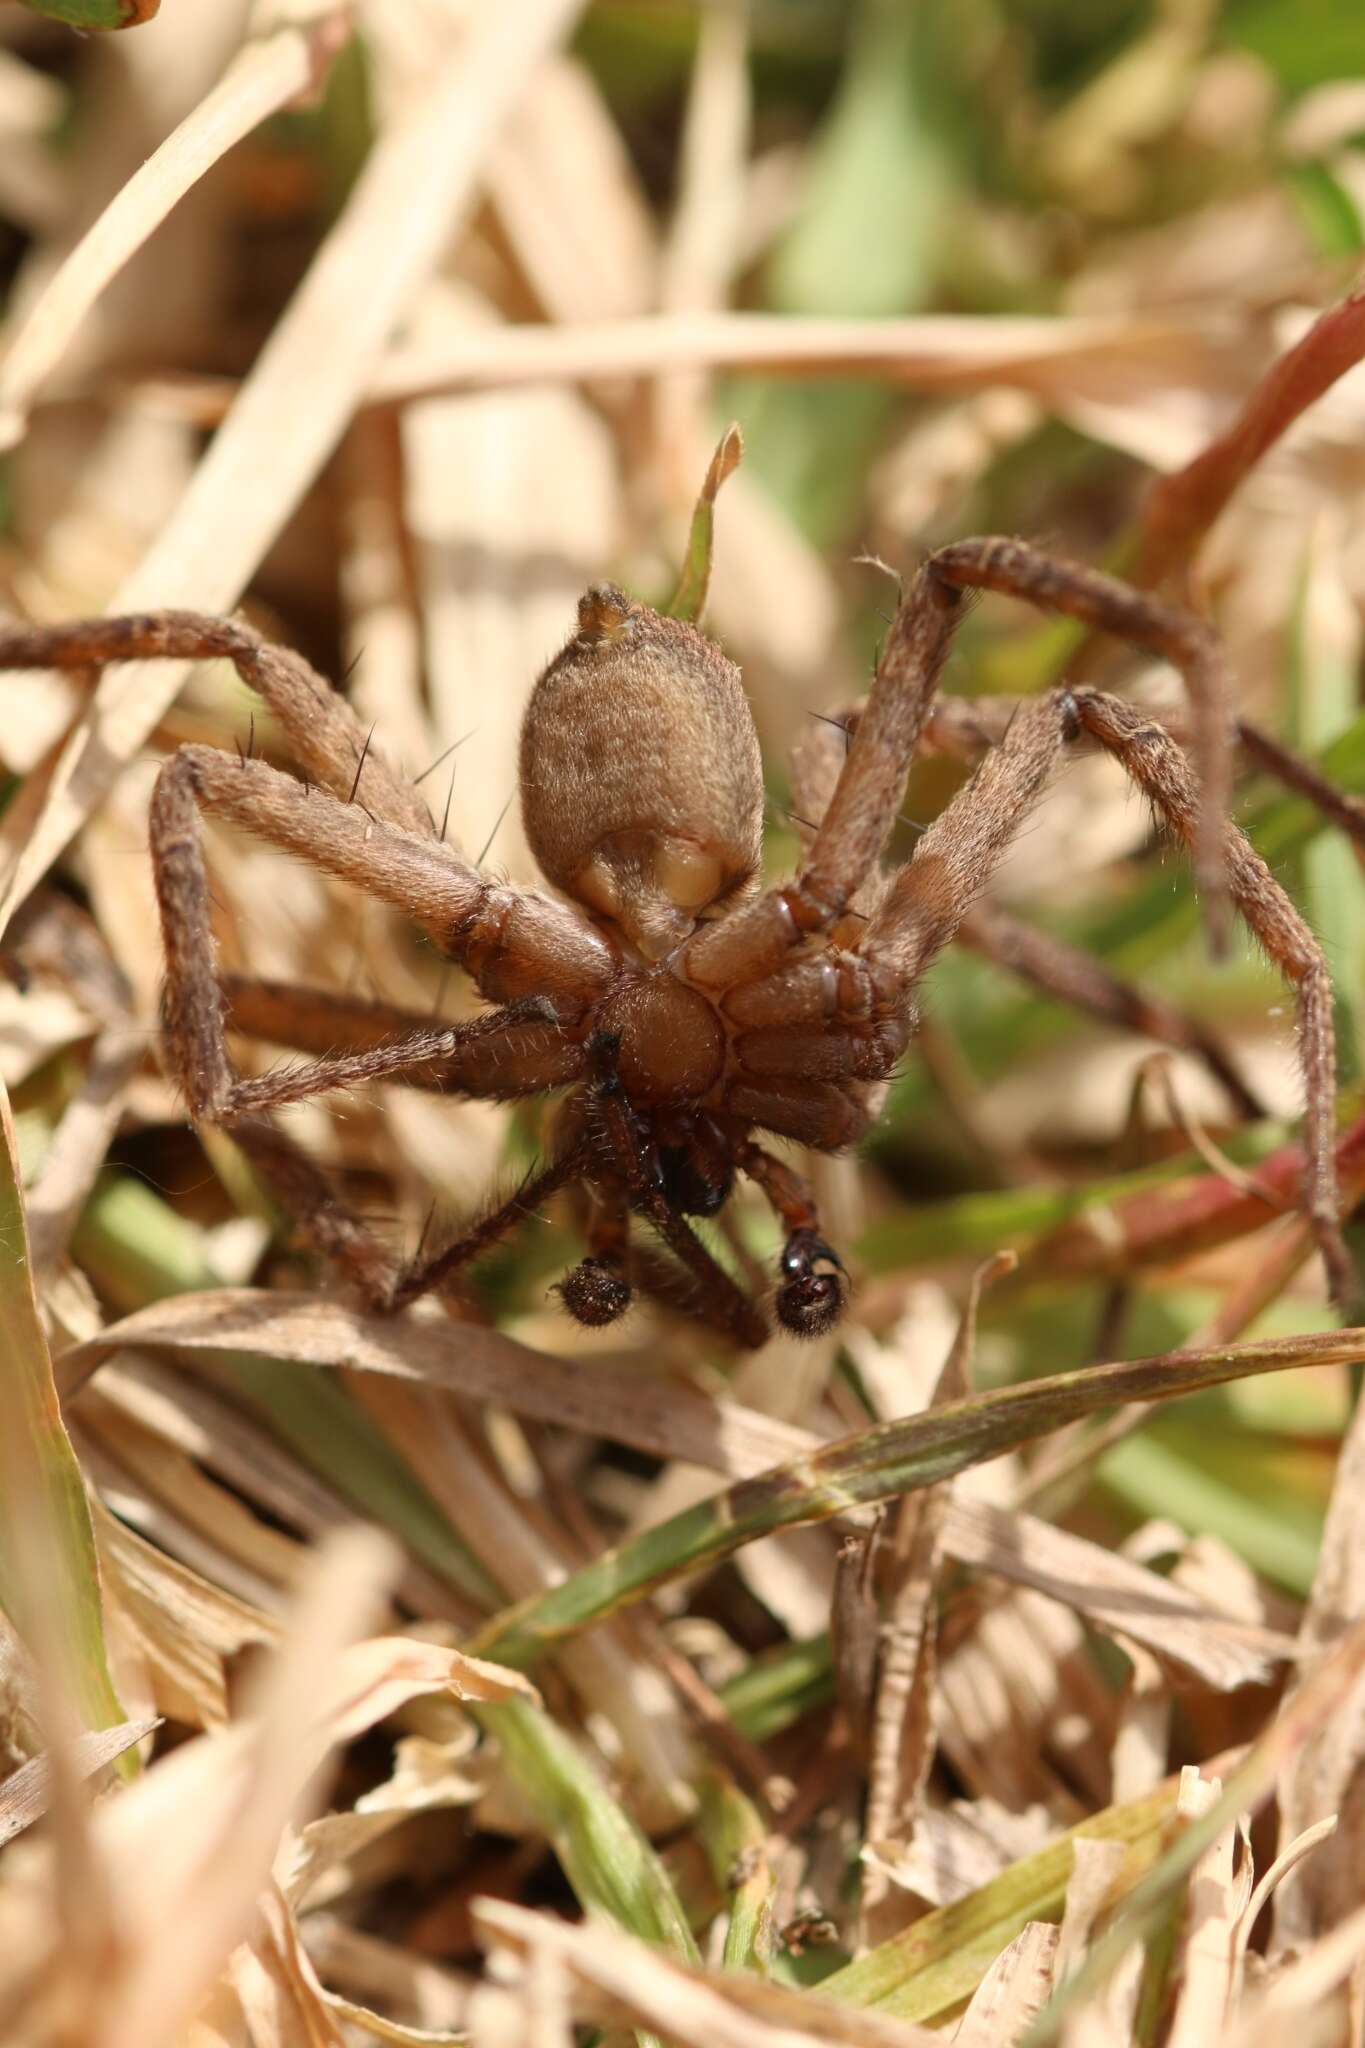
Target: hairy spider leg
[
  {"x": 1178, "y": 636},
  {"x": 754, "y": 941},
  {"x": 433, "y": 1275},
  {"x": 324, "y": 734},
  {"x": 416, "y": 875},
  {"x": 1064, "y": 972},
  {"x": 955, "y": 857},
  {"x": 508, "y": 1053}
]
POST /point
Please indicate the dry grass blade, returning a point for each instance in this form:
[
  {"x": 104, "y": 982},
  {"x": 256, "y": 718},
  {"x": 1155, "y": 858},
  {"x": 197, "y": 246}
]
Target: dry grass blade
[
  {"x": 620, "y": 1983},
  {"x": 1297, "y": 1999},
  {"x": 25, "y": 1794},
  {"x": 237, "y": 1792},
  {"x": 293, "y": 407},
  {"x": 268, "y": 73},
  {"x": 49, "y": 1577},
  {"x": 902, "y": 1738},
  {"x": 617, "y": 1400},
  {"x": 1326, "y": 1779},
  {"x": 1113, "y": 1592},
  {"x": 1246, "y": 1789},
  {"x": 878, "y": 1465},
  {"x": 1182, "y": 507},
  {"x": 943, "y": 352},
  {"x": 665, "y": 1419},
  {"x": 1013, "y": 1991}
]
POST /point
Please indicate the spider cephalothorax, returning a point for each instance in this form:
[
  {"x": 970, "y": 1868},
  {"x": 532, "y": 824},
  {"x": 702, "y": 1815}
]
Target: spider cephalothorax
[{"x": 683, "y": 1009}]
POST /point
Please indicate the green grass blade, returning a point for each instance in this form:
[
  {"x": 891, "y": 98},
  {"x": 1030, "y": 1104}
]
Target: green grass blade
[
  {"x": 735, "y": 1840},
  {"x": 606, "y": 1859},
  {"x": 95, "y": 14},
  {"x": 938, "y": 1962},
  {"x": 47, "y": 1544},
  {"x": 899, "y": 1457},
  {"x": 689, "y": 599}
]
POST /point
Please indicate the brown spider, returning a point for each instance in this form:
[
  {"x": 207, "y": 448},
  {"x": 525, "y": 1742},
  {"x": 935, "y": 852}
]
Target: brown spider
[{"x": 682, "y": 1006}]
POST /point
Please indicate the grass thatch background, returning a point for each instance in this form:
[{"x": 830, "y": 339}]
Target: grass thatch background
[{"x": 396, "y": 325}]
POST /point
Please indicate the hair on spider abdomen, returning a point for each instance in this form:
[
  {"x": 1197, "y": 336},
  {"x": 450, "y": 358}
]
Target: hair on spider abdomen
[{"x": 641, "y": 777}]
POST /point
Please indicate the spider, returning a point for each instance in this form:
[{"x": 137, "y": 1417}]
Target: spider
[{"x": 688, "y": 1011}]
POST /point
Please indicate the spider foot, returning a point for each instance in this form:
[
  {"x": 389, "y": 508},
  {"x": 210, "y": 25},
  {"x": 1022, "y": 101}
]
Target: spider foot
[
  {"x": 809, "y": 1301},
  {"x": 595, "y": 1292}
]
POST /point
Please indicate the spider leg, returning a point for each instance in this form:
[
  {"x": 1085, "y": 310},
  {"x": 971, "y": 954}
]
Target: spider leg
[
  {"x": 1064, "y": 972},
  {"x": 630, "y": 1152},
  {"x": 954, "y": 859},
  {"x": 425, "y": 1276},
  {"x": 514, "y": 1051},
  {"x": 1187, "y": 642},
  {"x": 845, "y": 848},
  {"x": 824, "y": 1114},
  {"x": 528, "y": 946},
  {"x": 332, "y": 1226},
  {"x": 810, "y": 1299},
  {"x": 325, "y": 736}
]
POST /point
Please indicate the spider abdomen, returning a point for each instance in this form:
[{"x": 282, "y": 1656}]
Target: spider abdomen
[{"x": 672, "y": 1043}]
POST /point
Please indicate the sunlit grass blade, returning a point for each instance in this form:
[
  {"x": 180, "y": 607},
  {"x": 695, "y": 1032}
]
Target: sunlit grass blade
[
  {"x": 139, "y": 1250},
  {"x": 607, "y": 1860},
  {"x": 735, "y": 1840},
  {"x": 899, "y": 1457},
  {"x": 26, "y": 1793},
  {"x": 938, "y": 1962},
  {"x": 689, "y": 599},
  {"x": 49, "y": 1576},
  {"x": 1245, "y": 1789}
]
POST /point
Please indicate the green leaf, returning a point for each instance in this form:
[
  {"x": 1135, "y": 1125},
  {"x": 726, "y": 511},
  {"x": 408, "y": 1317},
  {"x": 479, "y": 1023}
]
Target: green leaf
[
  {"x": 937, "y": 1963},
  {"x": 1304, "y": 42},
  {"x": 95, "y": 14},
  {"x": 49, "y": 1575},
  {"x": 736, "y": 1844},
  {"x": 689, "y": 599},
  {"x": 607, "y": 1860}
]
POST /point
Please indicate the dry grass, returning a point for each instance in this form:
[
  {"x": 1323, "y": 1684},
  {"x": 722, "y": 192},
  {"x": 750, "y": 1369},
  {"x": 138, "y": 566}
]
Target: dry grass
[{"x": 950, "y": 1679}]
